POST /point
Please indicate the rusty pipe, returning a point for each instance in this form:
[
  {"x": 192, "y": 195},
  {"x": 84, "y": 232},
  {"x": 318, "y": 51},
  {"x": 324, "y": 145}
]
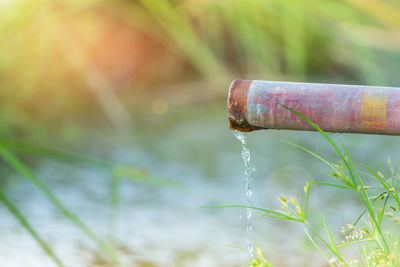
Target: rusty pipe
[{"x": 255, "y": 105}]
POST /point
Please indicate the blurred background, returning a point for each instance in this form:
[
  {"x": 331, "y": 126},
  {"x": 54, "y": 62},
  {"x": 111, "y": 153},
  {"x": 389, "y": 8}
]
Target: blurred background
[{"x": 143, "y": 84}]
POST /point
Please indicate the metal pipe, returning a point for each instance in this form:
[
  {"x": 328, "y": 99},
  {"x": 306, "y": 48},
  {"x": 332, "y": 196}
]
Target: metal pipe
[{"x": 255, "y": 105}]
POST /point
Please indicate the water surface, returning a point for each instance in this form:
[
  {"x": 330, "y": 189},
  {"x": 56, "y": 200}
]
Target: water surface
[{"x": 162, "y": 226}]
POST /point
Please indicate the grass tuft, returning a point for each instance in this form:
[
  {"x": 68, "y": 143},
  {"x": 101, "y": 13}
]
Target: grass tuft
[{"x": 375, "y": 237}]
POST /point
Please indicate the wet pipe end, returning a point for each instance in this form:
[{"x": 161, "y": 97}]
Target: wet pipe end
[{"x": 237, "y": 106}]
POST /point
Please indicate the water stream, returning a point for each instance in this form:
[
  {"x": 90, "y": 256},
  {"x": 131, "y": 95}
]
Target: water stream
[{"x": 248, "y": 177}]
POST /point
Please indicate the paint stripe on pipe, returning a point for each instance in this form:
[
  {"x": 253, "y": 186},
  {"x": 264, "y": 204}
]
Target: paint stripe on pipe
[{"x": 373, "y": 109}]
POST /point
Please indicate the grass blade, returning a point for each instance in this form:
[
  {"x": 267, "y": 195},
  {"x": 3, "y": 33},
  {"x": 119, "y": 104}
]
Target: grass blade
[
  {"x": 114, "y": 204},
  {"x": 332, "y": 249},
  {"x": 55, "y": 153},
  {"x": 129, "y": 172},
  {"x": 313, "y": 154},
  {"x": 267, "y": 212},
  {"x": 25, "y": 224},
  {"x": 376, "y": 176},
  {"x": 20, "y": 168},
  {"x": 316, "y": 246},
  {"x": 307, "y": 190},
  {"x": 364, "y": 197},
  {"x": 327, "y": 138},
  {"x": 334, "y": 185}
]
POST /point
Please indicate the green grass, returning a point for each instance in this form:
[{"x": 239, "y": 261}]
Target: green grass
[
  {"x": 26, "y": 225},
  {"x": 118, "y": 172},
  {"x": 374, "y": 232},
  {"x": 208, "y": 41},
  {"x": 21, "y": 169}
]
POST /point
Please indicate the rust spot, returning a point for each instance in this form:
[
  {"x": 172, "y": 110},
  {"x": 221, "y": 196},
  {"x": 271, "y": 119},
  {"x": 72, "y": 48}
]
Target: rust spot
[
  {"x": 248, "y": 129},
  {"x": 237, "y": 106}
]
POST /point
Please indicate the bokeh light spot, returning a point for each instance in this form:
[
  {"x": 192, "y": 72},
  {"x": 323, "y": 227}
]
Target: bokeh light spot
[{"x": 159, "y": 106}]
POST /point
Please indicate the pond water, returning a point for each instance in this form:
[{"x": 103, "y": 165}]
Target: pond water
[{"x": 163, "y": 225}]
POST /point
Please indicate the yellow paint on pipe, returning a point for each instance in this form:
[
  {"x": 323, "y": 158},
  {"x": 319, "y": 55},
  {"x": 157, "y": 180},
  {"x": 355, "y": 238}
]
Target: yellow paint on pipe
[{"x": 373, "y": 110}]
